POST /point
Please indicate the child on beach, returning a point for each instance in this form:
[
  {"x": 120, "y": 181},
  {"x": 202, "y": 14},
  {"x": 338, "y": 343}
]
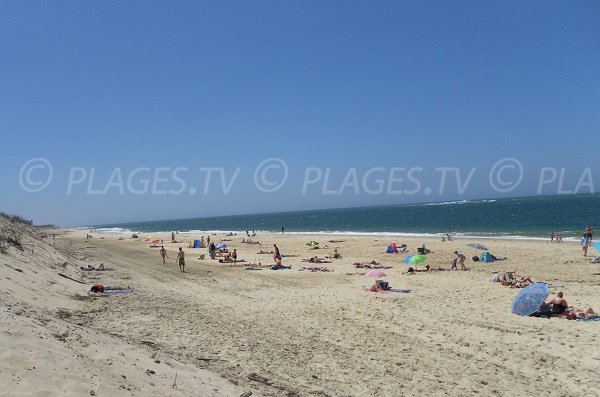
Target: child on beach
[
  {"x": 163, "y": 253},
  {"x": 585, "y": 242}
]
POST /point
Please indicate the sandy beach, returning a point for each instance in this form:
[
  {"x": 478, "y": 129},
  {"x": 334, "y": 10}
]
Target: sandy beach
[{"x": 227, "y": 330}]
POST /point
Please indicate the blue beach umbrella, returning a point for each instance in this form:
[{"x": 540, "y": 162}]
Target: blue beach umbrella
[
  {"x": 414, "y": 260},
  {"x": 221, "y": 245},
  {"x": 529, "y": 299}
]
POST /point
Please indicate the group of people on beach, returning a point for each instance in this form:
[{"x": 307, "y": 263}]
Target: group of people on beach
[{"x": 558, "y": 307}]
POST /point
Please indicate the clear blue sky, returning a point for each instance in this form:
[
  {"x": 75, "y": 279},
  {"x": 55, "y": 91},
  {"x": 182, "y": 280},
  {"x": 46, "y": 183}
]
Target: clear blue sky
[{"x": 338, "y": 84}]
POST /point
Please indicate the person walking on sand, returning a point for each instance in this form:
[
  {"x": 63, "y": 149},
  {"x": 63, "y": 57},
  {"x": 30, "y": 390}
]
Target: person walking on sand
[
  {"x": 585, "y": 243},
  {"x": 163, "y": 253},
  {"x": 234, "y": 255},
  {"x": 282, "y": 229},
  {"x": 181, "y": 260},
  {"x": 589, "y": 232},
  {"x": 172, "y": 237}
]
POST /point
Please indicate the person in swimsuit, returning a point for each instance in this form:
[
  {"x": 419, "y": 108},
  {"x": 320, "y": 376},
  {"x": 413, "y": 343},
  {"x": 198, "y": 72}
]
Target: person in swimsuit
[
  {"x": 163, "y": 253},
  {"x": 380, "y": 286},
  {"x": 234, "y": 256},
  {"x": 559, "y": 304},
  {"x": 277, "y": 256},
  {"x": 181, "y": 260}
]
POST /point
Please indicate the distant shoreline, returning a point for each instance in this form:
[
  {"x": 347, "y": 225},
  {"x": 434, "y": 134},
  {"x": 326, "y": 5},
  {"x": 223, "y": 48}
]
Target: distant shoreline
[{"x": 242, "y": 233}]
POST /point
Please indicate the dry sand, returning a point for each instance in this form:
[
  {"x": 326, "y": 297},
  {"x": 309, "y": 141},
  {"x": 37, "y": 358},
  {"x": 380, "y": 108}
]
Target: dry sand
[{"x": 291, "y": 333}]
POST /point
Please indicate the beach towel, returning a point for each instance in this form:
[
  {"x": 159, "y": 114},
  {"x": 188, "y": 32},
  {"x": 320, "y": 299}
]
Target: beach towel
[
  {"x": 314, "y": 269},
  {"x": 116, "y": 292},
  {"x": 273, "y": 267},
  {"x": 589, "y": 319},
  {"x": 401, "y": 291}
]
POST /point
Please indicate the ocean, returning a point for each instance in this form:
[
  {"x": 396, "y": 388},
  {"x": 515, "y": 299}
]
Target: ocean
[{"x": 522, "y": 217}]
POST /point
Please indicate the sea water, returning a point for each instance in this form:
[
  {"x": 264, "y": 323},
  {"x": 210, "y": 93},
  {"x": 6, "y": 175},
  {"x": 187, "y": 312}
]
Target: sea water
[{"x": 523, "y": 217}]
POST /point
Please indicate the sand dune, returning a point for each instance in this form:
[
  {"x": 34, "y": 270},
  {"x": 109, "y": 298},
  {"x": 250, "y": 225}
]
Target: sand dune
[{"x": 48, "y": 350}]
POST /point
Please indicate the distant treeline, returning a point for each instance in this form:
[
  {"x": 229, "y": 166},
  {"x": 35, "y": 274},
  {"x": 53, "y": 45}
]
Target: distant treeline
[
  {"x": 16, "y": 219},
  {"x": 20, "y": 220}
]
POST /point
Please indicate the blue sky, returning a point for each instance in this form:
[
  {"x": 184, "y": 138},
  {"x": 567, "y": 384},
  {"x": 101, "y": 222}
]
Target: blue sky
[{"x": 350, "y": 86}]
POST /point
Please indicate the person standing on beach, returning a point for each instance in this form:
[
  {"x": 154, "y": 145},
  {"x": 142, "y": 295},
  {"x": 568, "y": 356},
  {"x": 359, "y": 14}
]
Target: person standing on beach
[
  {"x": 585, "y": 243},
  {"x": 282, "y": 229},
  {"x": 589, "y": 232},
  {"x": 234, "y": 255},
  {"x": 460, "y": 258},
  {"x": 181, "y": 260},
  {"x": 163, "y": 253},
  {"x": 172, "y": 237}
]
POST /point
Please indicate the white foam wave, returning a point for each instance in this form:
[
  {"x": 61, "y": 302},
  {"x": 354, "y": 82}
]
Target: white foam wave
[{"x": 449, "y": 202}]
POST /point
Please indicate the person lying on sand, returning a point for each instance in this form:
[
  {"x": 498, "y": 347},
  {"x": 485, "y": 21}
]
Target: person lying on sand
[
  {"x": 91, "y": 268},
  {"x": 108, "y": 287},
  {"x": 229, "y": 259},
  {"x": 380, "y": 286},
  {"x": 316, "y": 260},
  {"x": 427, "y": 268},
  {"x": 586, "y": 314},
  {"x": 522, "y": 283},
  {"x": 368, "y": 265},
  {"x": 279, "y": 267},
  {"x": 314, "y": 269},
  {"x": 261, "y": 252}
]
